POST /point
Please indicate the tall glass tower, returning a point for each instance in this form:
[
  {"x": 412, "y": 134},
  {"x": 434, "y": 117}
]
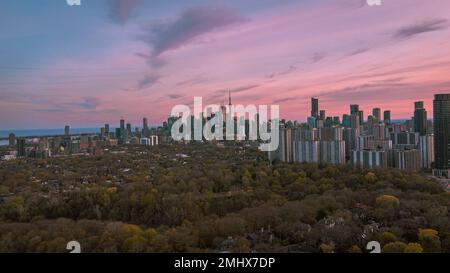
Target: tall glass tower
[{"x": 441, "y": 116}]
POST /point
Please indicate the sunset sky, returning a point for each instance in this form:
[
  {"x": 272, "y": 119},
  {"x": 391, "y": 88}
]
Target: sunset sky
[{"x": 90, "y": 65}]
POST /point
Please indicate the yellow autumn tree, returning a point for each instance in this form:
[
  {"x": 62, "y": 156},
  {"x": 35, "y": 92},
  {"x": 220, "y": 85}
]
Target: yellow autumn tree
[
  {"x": 395, "y": 247},
  {"x": 387, "y": 200},
  {"x": 429, "y": 240},
  {"x": 413, "y": 248},
  {"x": 370, "y": 177}
]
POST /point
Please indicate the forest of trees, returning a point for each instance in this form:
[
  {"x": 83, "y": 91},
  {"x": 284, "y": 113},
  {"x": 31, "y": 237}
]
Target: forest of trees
[{"x": 204, "y": 198}]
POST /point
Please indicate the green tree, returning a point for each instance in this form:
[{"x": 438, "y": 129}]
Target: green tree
[
  {"x": 387, "y": 237},
  {"x": 395, "y": 247}
]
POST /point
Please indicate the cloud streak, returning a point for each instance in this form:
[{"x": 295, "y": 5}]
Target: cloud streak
[
  {"x": 419, "y": 28},
  {"x": 148, "y": 81},
  {"x": 192, "y": 23},
  {"x": 90, "y": 103}
]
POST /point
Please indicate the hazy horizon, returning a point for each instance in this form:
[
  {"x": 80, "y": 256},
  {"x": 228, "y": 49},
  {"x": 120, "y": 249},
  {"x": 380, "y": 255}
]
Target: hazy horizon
[{"x": 90, "y": 65}]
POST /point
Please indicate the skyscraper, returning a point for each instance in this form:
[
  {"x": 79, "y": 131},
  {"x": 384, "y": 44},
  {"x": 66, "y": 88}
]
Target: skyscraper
[
  {"x": 21, "y": 144},
  {"x": 315, "y": 108},
  {"x": 67, "y": 130},
  {"x": 387, "y": 117},
  {"x": 122, "y": 124},
  {"x": 441, "y": 117},
  {"x": 12, "y": 139},
  {"x": 426, "y": 148},
  {"x": 354, "y": 122},
  {"x": 346, "y": 120},
  {"x": 106, "y": 129},
  {"x": 376, "y": 113},
  {"x": 129, "y": 129},
  {"x": 145, "y": 130},
  {"x": 322, "y": 114},
  {"x": 420, "y": 118},
  {"x": 361, "y": 117},
  {"x": 354, "y": 109}
]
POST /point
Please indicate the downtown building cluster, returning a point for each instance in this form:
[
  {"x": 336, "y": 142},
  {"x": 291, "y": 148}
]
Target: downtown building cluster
[
  {"x": 84, "y": 143},
  {"x": 373, "y": 142}
]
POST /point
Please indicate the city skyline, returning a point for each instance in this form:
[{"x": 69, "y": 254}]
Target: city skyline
[
  {"x": 138, "y": 59},
  {"x": 139, "y": 124}
]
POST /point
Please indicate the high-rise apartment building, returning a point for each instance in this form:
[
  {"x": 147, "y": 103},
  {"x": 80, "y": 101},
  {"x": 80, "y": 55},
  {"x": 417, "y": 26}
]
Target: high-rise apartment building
[
  {"x": 420, "y": 118},
  {"x": 408, "y": 160},
  {"x": 369, "y": 159},
  {"x": 441, "y": 117},
  {"x": 426, "y": 147},
  {"x": 21, "y": 145},
  {"x": 12, "y": 140}
]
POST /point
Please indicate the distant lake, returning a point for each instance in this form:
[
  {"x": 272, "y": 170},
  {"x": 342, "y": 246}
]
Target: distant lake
[{"x": 46, "y": 132}]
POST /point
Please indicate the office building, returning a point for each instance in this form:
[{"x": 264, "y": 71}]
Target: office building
[
  {"x": 387, "y": 117},
  {"x": 346, "y": 121},
  {"x": 361, "y": 117},
  {"x": 376, "y": 113},
  {"x": 67, "y": 130},
  {"x": 315, "y": 108},
  {"x": 129, "y": 131},
  {"x": 322, "y": 115},
  {"x": 336, "y": 120},
  {"x": 145, "y": 129},
  {"x": 312, "y": 122},
  {"x": 354, "y": 122},
  {"x": 354, "y": 109}
]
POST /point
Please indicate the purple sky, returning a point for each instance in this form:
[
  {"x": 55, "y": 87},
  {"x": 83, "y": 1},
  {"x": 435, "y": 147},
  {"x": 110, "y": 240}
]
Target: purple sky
[{"x": 90, "y": 65}]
